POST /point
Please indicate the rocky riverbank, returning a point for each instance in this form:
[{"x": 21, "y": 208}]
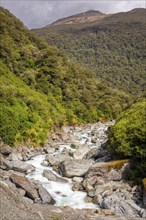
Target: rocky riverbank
[{"x": 73, "y": 169}]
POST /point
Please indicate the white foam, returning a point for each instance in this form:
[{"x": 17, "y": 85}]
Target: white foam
[{"x": 61, "y": 192}]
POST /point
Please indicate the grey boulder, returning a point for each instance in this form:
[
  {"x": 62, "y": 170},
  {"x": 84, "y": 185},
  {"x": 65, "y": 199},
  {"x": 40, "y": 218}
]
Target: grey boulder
[{"x": 75, "y": 167}]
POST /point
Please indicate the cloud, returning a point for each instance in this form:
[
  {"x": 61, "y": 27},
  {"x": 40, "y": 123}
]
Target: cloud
[{"x": 39, "y": 13}]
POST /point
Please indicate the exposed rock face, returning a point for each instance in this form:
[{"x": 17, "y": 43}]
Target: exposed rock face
[
  {"x": 45, "y": 196},
  {"x": 55, "y": 160},
  {"x": 51, "y": 176},
  {"x": 75, "y": 167},
  {"x": 25, "y": 184},
  {"x": 19, "y": 166},
  {"x": 81, "y": 151}
]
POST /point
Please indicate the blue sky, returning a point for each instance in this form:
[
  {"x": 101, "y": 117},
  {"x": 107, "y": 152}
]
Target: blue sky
[{"x": 40, "y": 13}]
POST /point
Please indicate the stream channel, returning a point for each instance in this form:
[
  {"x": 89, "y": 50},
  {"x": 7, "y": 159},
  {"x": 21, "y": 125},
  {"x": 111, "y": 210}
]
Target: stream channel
[{"x": 62, "y": 193}]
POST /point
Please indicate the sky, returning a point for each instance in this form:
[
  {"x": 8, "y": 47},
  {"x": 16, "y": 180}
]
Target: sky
[{"x": 39, "y": 13}]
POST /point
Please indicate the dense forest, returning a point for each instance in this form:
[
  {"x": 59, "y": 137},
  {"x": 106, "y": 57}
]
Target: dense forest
[
  {"x": 114, "y": 47},
  {"x": 128, "y": 138},
  {"x": 42, "y": 88}
]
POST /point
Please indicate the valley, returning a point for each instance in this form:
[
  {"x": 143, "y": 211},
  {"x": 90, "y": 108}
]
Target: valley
[{"x": 73, "y": 117}]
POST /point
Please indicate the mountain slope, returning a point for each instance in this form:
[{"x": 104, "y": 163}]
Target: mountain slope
[
  {"x": 42, "y": 88},
  {"x": 128, "y": 138},
  {"x": 86, "y": 17},
  {"x": 114, "y": 47}
]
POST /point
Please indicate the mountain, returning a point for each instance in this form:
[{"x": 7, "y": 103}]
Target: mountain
[
  {"x": 42, "y": 88},
  {"x": 113, "y": 47},
  {"x": 86, "y": 17}
]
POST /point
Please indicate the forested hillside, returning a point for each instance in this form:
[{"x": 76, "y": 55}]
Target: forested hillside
[
  {"x": 128, "y": 138},
  {"x": 114, "y": 47},
  {"x": 41, "y": 87}
]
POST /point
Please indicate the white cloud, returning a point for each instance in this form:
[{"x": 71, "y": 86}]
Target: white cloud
[{"x": 40, "y": 13}]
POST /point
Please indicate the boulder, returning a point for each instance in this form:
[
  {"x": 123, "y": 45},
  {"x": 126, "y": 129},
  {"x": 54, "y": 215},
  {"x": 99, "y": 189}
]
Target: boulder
[
  {"x": 25, "y": 184},
  {"x": 52, "y": 177},
  {"x": 49, "y": 150},
  {"x": 94, "y": 180},
  {"x": 28, "y": 200},
  {"x": 92, "y": 153},
  {"x": 19, "y": 166},
  {"x": 45, "y": 196},
  {"x": 120, "y": 205},
  {"x": 75, "y": 167},
  {"x": 114, "y": 175},
  {"x": 102, "y": 189},
  {"x": 22, "y": 192},
  {"x": 80, "y": 152},
  {"x": 45, "y": 163},
  {"x": 77, "y": 187},
  {"x": 91, "y": 193},
  {"x": 110, "y": 171},
  {"x": 15, "y": 156},
  {"x": 55, "y": 160},
  {"x": 77, "y": 179},
  {"x": 1, "y": 159},
  {"x": 97, "y": 199},
  {"x": 5, "y": 149}
]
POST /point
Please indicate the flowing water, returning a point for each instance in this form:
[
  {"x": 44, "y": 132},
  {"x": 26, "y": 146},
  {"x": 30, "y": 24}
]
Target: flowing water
[{"x": 62, "y": 192}]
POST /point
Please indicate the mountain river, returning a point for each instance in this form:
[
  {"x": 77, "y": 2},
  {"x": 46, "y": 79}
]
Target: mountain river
[{"x": 62, "y": 193}]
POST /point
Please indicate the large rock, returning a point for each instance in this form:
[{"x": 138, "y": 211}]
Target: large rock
[
  {"x": 52, "y": 177},
  {"x": 92, "y": 153},
  {"x": 103, "y": 188},
  {"x": 1, "y": 159},
  {"x": 110, "y": 171},
  {"x": 15, "y": 156},
  {"x": 5, "y": 149},
  {"x": 81, "y": 151},
  {"x": 55, "y": 160},
  {"x": 77, "y": 187},
  {"x": 45, "y": 196},
  {"x": 49, "y": 149},
  {"x": 75, "y": 167},
  {"x": 25, "y": 184},
  {"x": 93, "y": 181},
  {"x": 120, "y": 205},
  {"x": 19, "y": 166}
]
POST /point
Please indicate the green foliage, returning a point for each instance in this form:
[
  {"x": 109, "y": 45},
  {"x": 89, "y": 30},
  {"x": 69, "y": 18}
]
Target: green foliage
[
  {"x": 42, "y": 88},
  {"x": 127, "y": 138},
  {"x": 114, "y": 47}
]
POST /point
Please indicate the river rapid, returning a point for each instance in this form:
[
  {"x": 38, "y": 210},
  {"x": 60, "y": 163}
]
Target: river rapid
[{"x": 61, "y": 192}]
